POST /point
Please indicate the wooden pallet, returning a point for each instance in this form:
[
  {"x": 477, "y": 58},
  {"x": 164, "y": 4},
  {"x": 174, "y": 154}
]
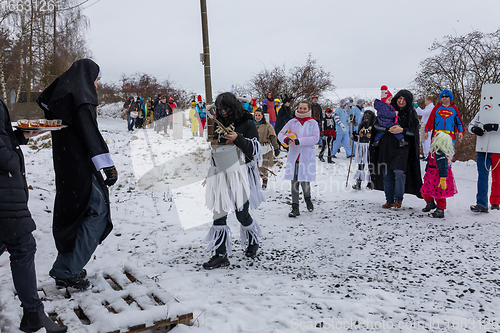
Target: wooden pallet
[{"x": 118, "y": 302}]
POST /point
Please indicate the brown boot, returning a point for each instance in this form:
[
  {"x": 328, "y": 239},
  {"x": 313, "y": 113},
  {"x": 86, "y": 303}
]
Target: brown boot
[
  {"x": 387, "y": 205},
  {"x": 264, "y": 183},
  {"x": 397, "y": 204}
]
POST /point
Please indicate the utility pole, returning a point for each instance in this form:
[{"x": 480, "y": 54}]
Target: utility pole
[{"x": 206, "y": 64}]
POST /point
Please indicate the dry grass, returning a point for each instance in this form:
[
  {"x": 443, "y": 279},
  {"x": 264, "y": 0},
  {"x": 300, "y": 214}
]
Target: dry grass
[{"x": 466, "y": 149}]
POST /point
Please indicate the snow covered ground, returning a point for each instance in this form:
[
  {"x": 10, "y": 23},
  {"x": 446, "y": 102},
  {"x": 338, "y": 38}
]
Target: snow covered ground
[{"x": 349, "y": 265}]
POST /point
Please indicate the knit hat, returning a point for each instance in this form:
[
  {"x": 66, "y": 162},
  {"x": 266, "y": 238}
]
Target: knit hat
[
  {"x": 384, "y": 93},
  {"x": 199, "y": 98},
  {"x": 446, "y": 92}
]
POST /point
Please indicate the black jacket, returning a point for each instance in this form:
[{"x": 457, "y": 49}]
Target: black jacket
[
  {"x": 15, "y": 217},
  {"x": 246, "y": 129},
  {"x": 389, "y": 155},
  {"x": 284, "y": 116}
]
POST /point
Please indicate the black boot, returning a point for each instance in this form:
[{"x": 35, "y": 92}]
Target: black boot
[
  {"x": 321, "y": 158},
  {"x": 495, "y": 207},
  {"x": 33, "y": 321},
  {"x": 251, "y": 250},
  {"x": 295, "y": 211},
  {"x": 429, "y": 205},
  {"x": 78, "y": 282},
  {"x": 357, "y": 186},
  {"x": 478, "y": 209},
  {"x": 369, "y": 186},
  {"x": 439, "y": 213},
  {"x": 330, "y": 159},
  {"x": 309, "y": 204},
  {"x": 217, "y": 261}
]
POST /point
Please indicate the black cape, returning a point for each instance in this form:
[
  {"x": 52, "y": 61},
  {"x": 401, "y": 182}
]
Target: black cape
[
  {"x": 72, "y": 97},
  {"x": 389, "y": 155},
  {"x": 284, "y": 116}
]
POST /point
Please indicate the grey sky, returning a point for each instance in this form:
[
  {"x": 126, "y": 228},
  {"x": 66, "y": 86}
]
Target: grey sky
[{"x": 363, "y": 43}]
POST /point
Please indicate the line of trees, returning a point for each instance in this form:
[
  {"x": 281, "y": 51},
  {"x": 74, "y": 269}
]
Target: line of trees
[
  {"x": 37, "y": 44},
  {"x": 142, "y": 85}
]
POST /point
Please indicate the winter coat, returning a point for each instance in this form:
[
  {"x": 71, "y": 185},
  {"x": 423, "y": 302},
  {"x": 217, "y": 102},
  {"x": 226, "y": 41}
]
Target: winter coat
[
  {"x": 245, "y": 128},
  {"x": 317, "y": 113},
  {"x": 79, "y": 151},
  {"x": 133, "y": 107},
  {"x": 284, "y": 116},
  {"x": 267, "y": 135},
  {"x": 161, "y": 110},
  {"x": 389, "y": 155},
  {"x": 386, "y": 114},
  {"x": 202, "y": 109},
  {"x": 341, "y": 119},
  {"x": 308, "y": 135},
  {"x": 268, "y": 106},
  {"x": 15, "y": 217}
]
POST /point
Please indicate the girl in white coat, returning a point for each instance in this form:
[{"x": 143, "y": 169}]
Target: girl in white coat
[{"x": 301, "y": 160}]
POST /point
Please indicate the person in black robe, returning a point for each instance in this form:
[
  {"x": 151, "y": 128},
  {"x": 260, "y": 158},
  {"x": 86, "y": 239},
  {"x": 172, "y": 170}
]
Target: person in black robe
[
  {"x": 393, "y": 169},
  {"x": 284, "y": 115},
  {"x": 17, "y": 225},
  {"x": 81, "y": 210}
]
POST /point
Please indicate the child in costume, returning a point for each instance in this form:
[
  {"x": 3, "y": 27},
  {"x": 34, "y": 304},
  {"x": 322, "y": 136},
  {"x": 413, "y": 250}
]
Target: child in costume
[
  {"x": 301, "y": 159},
  {"x": 363, "y": 137},
  {"x": 193, "y": 118},
  {"x": 235, "y": 187},
  {"x": 439, "y": 183},
  {"x": 268, "y": 142},
  {"x": 329, "y": 135},
  {"x": 201, "y": 108},
  {"x": 386, "y": 116}
]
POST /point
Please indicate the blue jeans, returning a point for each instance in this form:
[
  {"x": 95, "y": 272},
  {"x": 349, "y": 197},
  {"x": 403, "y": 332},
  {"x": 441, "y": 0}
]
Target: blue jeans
[
  {"x": 22, "y": 264},
  {"x": 394, "y": 185},
  {"x": 130, "y": 122},
  {"x": 94, "y": 224}
]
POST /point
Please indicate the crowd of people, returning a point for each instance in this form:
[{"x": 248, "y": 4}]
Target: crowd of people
[{"x": 247, "y": 138}]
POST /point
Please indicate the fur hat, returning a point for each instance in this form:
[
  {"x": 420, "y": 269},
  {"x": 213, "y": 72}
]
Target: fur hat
[
  {"x": 446, "y": 92},
  {"x": 384, "y": 93}
]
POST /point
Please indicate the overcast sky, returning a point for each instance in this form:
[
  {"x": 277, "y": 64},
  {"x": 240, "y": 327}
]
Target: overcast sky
[{"x": 362, "y": 43}]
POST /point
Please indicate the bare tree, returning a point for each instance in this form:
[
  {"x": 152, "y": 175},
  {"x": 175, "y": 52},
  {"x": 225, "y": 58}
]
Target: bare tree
[
  {"x": 463, "y": 65},
  {"x": 302, "y": 82}
]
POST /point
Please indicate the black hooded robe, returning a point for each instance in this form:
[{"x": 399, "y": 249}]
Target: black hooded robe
[
  {"x": 72, "y": 97},
  {"x": 389, "y": 154}
]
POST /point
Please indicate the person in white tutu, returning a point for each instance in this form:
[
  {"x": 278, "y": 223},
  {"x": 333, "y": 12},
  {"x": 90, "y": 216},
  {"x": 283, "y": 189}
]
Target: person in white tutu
[{"x": 233, "y": 182}]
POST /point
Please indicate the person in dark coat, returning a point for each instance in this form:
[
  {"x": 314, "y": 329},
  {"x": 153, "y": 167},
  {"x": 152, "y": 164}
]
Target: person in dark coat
[
  {"x": 395, "y": 169},
  {"x": 285, "y": 114},
  {"x": 17, "y": 225},
  {"x": 81, "y": 210},
  {"x": 243, "y": 192}
]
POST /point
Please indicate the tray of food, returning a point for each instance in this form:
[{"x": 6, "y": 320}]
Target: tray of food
[{"x": 40, "y": 125}]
